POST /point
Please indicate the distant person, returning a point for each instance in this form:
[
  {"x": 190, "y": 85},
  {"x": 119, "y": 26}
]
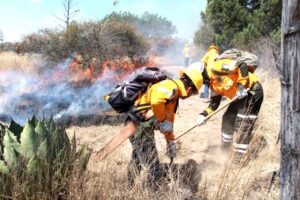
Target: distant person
[
  {"x": 186, "y": 54},
  {"x": 19, "y": 49},
  {"x": 209, "y": 57}
]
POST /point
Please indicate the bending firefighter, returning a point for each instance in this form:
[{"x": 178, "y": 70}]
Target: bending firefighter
[
  {"x": 161, "y": 99},
  {"x": 234, "y": 79}
]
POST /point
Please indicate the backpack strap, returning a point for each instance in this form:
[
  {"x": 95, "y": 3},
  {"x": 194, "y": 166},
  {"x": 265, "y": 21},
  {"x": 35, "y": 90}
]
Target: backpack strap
[
  {"x": 177, "y": 99},
  {"x": 146, "y": 106}
]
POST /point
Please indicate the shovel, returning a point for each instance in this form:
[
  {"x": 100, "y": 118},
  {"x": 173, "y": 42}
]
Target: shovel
[
  {"x": 208, "y": 117},
  {"x": 117, "y": 140}
]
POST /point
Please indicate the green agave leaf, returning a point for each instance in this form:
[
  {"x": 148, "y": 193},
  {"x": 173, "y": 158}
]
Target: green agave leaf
[
  {"x": 73, "y": 148},
  {"x": 84, "y": 156},
  {"x": 50, "y": 125},
  {"x": 3, "y": 168},
  {"x": 15, "y": 128},
  {"x": 41, "y": 130},
  {"x": 63, "y": 160},
  {"x": 60, "y": 138},
  {"x": 58, "y": 141},
  {"x": 43, "y": 149},
  {"x": 2, "y": 133},
  {"x": 34, "y": 121},
  {"x": 29, "y": 141},
  {"x": 36, "y": 164},
  {"x": 11, "y": 148}
]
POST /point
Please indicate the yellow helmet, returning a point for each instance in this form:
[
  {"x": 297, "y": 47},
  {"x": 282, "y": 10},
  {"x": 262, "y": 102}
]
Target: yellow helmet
[
  {"x": 195, "y": 75},
  {"x": 213, "y": 47}
]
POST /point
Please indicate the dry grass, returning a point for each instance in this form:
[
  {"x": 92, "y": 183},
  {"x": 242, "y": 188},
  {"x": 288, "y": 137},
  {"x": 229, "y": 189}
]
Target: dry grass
[
  {"x": 222, "y": 179},
  {"x": 23, "y": 62}
]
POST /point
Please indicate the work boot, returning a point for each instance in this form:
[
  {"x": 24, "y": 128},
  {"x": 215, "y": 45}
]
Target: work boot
[
  {"x": 225, "y": 146},
  {"x": 237, "y": 157}
]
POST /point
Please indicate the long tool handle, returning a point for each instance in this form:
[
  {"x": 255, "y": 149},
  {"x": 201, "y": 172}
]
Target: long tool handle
[
  {"x": 208, "y": 117},
  {"x": 116, "y": 141}
]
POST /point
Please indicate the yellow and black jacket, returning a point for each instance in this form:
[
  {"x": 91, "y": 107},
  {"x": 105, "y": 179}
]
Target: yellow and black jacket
[
  {"x": 224, "y": 77},
  {"x": 162, "y": 99}
]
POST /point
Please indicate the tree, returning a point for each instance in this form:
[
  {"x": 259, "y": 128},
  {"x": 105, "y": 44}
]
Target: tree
[
  {"x": 290, "y": 102},
  {"x": 150, "y": 25},
  {"x": 69, "y": 12},
  {"x": 238, "y": 22},
  {"x": 101, "y": 39}
]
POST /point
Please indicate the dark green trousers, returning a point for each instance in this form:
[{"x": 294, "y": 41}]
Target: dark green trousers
[
  {"x": 241, "y": 116},
  {"x": 144, "y": 153}
]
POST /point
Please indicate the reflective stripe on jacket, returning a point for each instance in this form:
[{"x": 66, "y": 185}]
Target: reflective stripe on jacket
[
  {"x": 162, "y": 98},
  {"x": 225, "y": 75}
]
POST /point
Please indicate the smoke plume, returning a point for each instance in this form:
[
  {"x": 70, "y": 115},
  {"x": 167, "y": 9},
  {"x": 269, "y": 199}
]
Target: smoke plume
[{"x": 48, "y": 92}]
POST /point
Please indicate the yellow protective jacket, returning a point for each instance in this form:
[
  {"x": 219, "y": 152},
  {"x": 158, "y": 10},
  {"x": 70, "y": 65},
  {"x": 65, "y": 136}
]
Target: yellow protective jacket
[
  {"x": 209, "y": 57},
  {"x": 225, "y": 75},
  {"x": 162, "y": 97}
]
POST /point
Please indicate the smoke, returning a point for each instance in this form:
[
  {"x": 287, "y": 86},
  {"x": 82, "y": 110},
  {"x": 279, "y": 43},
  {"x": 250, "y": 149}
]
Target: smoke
[{"x": 49, "y": 92}]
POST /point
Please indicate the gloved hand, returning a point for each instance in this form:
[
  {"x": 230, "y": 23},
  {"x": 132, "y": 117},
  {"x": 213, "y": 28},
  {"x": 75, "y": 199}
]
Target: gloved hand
[
  {"x": 171, "y": 149},
  {"x": 242, "y": 92},
  {"x": 201, "y": 120},
  {"x": 166, "y": 126}
]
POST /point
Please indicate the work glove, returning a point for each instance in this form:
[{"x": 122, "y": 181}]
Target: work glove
[
  {"x": 201, "y": 120},
  {"x": 242, "y": 92},
  {"x": 171, "y": 149},
  {"x": 166, "y": 126}
]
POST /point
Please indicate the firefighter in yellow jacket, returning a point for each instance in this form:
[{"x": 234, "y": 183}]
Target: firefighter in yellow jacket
[
  {"x": 234, "y": 79},
  {"x": 161, "y": 99},
  {"x": 208, "y": 58}
]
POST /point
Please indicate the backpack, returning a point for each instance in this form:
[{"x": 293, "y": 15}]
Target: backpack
[
  {"x": 122, "y": 98},
  {"x": 241, "y": 56}
]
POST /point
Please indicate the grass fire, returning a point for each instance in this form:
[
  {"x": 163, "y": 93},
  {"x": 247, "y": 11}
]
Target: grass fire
[{"x": 149, "y": 105}]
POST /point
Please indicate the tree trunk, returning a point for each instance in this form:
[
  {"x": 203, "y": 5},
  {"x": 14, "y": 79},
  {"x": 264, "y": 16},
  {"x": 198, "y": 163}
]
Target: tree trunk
[{"x": 290, "y": 102}]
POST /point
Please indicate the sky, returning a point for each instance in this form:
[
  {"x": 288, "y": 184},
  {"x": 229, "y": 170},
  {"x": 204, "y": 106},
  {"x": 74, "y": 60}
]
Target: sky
[{"x": 21, "y": 17}]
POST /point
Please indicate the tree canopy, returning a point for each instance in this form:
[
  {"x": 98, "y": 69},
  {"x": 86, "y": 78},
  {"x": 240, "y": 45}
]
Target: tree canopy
[
  {"x": 238, "y": 22},
  {"x": 150, "y": 25},
  {"x": 117, "y": 34}
]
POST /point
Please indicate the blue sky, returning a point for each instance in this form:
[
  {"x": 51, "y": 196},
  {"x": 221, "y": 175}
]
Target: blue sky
[{"x": 20, "y": 17}]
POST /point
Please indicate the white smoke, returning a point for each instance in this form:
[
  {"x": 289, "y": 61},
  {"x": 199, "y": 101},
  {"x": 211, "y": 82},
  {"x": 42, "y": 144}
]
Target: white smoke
[{"x": 48, "y": 93}]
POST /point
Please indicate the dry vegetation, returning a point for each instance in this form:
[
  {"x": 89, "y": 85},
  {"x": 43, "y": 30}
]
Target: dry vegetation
[
  {"x": 221, "y": 179},
  {"x": 24, "y": 62}
]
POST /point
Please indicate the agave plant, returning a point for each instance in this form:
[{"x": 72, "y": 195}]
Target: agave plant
[{"x": 38, "y": 159}]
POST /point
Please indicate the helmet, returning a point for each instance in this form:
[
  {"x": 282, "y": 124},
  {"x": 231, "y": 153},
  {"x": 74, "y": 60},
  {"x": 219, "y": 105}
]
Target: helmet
[
  {"x": 195, "y": 75},
  {"x": 213, "y": 47}
]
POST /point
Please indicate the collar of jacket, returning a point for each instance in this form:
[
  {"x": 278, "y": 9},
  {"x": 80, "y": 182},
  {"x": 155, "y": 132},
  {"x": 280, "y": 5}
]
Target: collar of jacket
[{"x": 182, "y": 91}]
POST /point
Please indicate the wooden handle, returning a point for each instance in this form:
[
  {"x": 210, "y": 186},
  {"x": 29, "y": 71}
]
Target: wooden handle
[
  {"x": 116, "y": 141},
  {"x": 208, "y": 117}
]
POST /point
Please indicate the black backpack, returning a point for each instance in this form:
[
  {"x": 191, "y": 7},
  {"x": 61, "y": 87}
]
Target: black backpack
[{"x": 124, "y": 95}]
